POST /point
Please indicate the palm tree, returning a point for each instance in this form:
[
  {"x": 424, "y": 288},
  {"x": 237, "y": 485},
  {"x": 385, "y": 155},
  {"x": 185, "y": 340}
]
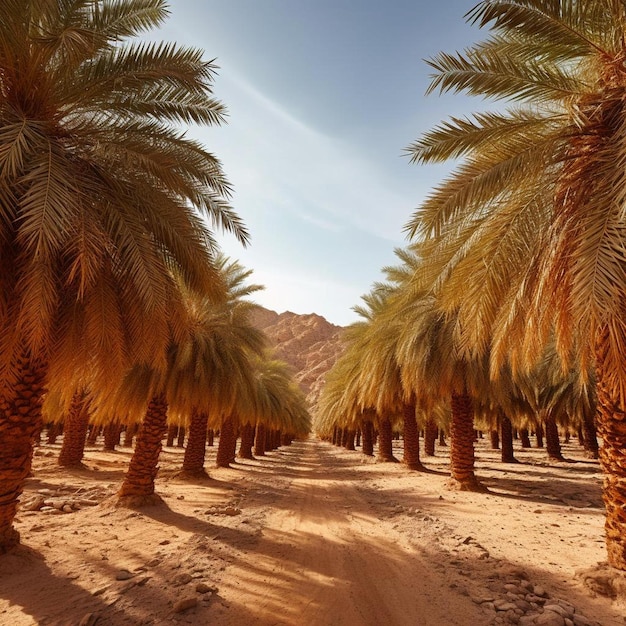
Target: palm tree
[
  {"x": 207, "y": 371},
  {"x": 99, "y": 197},
  {"x": 526, "y": 236}
]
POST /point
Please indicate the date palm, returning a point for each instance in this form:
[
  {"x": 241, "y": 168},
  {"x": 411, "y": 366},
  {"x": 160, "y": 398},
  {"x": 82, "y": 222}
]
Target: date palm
[
  {"x": 100, "y": 200},
  {"x": 527, "y": 236}
]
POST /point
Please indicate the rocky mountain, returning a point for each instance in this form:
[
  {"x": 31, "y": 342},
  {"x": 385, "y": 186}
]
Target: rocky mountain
[{"x": 309, "y": 343}]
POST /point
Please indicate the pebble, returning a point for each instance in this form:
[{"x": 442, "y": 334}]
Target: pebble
[
  {"x": 124, "y": 574},
  {"x": 517, "y": 602},
  {"x": 185, "y": 604},
  {"x": 182, "y": 579}
]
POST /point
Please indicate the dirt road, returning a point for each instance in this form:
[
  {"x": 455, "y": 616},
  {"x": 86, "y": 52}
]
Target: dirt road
[
  {"x": 325, "y": 557},
  {"x": 311, "y": 535}
]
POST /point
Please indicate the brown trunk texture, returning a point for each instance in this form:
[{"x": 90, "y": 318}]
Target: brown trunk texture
[
  {"x": 334, "y": 438},
  {"x": 590, "y": 437},
  {"x": 112, "y": 432},
  {"x": 180, "y": 442},
  {"x": 193, "y": 461},
  {"x": 385, "y": 441},
  {"x": 172, "y": 431},
  {"x": 430, "y": 437},
  {"x": 442, "y": 438},
  {"x": 524, "y": 438},
  {"x": 611, "y": 425},
  {"x": 339, "y": 440},
  {"x": 286, "y": 439},
  {"x": 506, "y": 428},
  {"x": 462, "y": 443},
  {"x": 75, "y": 432},
  {"x": 210, "y": 437},
  {"x": 144, "y": 464},
  {"x": 357, "y": 439},
  {"x": 411, "y": 438},
  {"x": 53, "y": 433},
  {"x": 368, "y": 439},
  {"x": 20, "y": 420},
  {"x": 351, "y": 436},
  {"x": 539, "y": 435},
  {"x": 247, "y": 441},
  {"x": 225, "y": 445},
  {"x": 129, "y": 435},
  {"x": 94, "y": 432},
  {"x": 259, "y": 440},
  {"x": 553, "y": 445},
  {"x": 494, "y": 437}
]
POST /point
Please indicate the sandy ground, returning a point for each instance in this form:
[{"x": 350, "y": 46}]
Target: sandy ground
[{"x": 311, "y": 535}]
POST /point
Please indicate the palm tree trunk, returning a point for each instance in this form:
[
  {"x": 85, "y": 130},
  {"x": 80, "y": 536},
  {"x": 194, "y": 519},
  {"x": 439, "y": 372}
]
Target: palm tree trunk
[
  {"x": 172, "y": 431},
  {"x": 494, "y": 438},
  {"x": 385, "y": 441},
  {"x": 195, "y": 452},
  {"x": 411, "y": 438},
  {"x": 131, "y": 431},
  {"x": 590, "y": 437},
  {"x": 553, "y": 445},
  {"x": 247, "y": 441},
  {"x": 53, "y": 433},
  {"x": 506, "y": 428},
  {"x": 75, "y": 432},
  {"x": 524, "y": 438},
  {"x": 368, "y": 439},
  {"x": 20, "y": 420},
  {"x": 225, "y": 445},
  {"x": 462, "y": 443},
  {"x": 611, "y": 425},
  {"x": 112, "y": 432},
  {"x": 357, "y": 439},
  {"x": 539, "y": 435},
  {"x": 93, "y": 431},
  {"x": 350, "y": 437},
  {"x": 180, "y": 440},
  {"x": 144, "y": 464},
  {"x": 442, "y": 438},
  {"x": 259, "y": 440},
  {"x": 430, "y": 437},
  {"x": 210, "y": 436},
  {"x": 339, "y": 440}
]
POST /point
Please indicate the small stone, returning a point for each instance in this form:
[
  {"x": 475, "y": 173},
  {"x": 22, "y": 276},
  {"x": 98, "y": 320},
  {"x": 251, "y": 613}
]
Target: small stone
[
  {"x": 231, "y": 510},
  {"x": 568, "y": 622},
  {"x": 33, "y": 505},
  {"x": 182, "y": 579},
  {"x": 153, "y": 563},
  {"x": 203, "y": 588},
  {"x": 165, "y": 542},
  {"x": 527, "y": 620},
  {"x": 185, "y": 604},
  {"x": 511, "y": 587},
  {"x": 124, "y": 574},
  {"x": 538, "y": 590},
  {"x": 549, "y": 618},
  {"x": 581, "y": 620},
  {"x": 504, "y": 605},
  {"x": 89, "y": 620},
  {"x": 557, "y": 608},
  {"x": 67, "y": 508},
  {"x": 523, "y": 605},
  {"x": 570, "y": 608}
]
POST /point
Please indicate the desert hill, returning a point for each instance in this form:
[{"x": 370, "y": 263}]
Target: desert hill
[{"x": 308, "y": 343}]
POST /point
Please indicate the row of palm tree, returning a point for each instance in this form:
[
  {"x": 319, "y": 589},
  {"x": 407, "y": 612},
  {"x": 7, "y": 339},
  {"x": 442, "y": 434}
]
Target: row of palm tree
[
  {"x": 515, "y": 293},
  {"x": 112, "y": 295}
]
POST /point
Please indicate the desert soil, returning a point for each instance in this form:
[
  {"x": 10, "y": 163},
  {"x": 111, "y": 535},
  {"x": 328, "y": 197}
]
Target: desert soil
[{"x": 312, "y": 534}]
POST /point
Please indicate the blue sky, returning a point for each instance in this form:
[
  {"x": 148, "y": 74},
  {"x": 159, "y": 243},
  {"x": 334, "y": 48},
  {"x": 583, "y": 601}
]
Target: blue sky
[{"x": 323, "y": 97}]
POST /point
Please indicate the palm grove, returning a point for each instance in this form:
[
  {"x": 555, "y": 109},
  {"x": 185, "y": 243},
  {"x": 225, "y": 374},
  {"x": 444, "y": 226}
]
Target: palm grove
[
  {"x": 509, "y": 303},
  {"x": 116, "y": 307},
  {"x": 115, "y": 304}
]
